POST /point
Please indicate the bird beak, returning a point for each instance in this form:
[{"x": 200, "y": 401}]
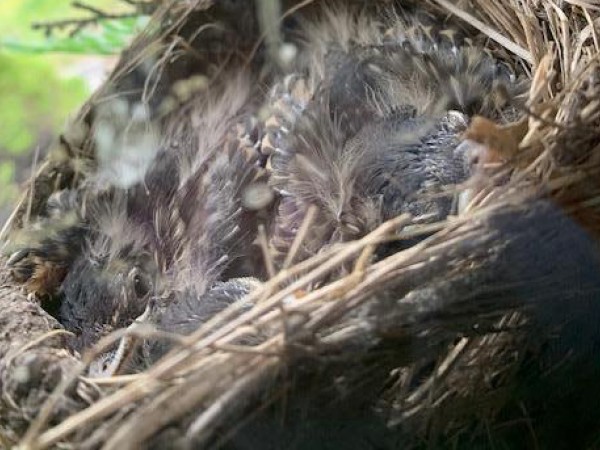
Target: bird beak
[{"x": 476, "y": 157}]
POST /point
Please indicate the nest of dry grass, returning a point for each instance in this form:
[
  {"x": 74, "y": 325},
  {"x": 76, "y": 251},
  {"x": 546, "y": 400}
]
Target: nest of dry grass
[{"x": 419, "y": 363}]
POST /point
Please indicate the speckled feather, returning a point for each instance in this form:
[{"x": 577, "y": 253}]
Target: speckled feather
[
  {"x": 183, "y": 226},
  {"x": 371, "y": 131}
]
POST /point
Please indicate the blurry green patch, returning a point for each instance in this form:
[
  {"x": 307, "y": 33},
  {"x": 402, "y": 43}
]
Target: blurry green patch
[
  {"x": 33, "y": 100},
  {"x": 7, "y": 171},
  {"x": 106, "y": 37},
  {"x": 9, "y": 190},
  {"x": 17, "y": 16}
]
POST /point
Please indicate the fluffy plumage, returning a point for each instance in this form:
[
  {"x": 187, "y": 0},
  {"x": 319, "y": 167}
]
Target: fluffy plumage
[
  {"x": 180, "y": 228},
  {"x": 189, "y": 309},
  {"x": 370, "y": 130},
  {"x": 364, "y": 127}
]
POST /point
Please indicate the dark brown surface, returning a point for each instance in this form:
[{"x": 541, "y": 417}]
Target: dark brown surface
[{"x": 31, "y": 365}]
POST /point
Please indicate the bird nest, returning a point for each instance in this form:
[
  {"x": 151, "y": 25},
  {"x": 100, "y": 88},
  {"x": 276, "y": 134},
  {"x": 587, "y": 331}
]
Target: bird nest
[{"x": 476, "y": 330}]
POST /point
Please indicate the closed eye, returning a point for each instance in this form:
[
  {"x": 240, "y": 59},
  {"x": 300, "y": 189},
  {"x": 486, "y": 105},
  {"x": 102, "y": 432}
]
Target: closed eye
[{"x": 141, "y": 284}]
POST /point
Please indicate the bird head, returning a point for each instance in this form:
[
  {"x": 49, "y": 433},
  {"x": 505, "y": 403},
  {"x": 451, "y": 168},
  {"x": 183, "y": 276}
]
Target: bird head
[{"x": 111, "y": 281}]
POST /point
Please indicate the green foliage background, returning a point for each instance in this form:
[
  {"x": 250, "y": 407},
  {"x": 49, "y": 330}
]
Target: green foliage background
[{"x": 35, "y": 97}]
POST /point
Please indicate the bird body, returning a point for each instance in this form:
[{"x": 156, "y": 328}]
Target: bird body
[
  {"x": 369, "y": 127},
  {"x": 364, "y": 126},
  {"x": 183, "y": 225},
  {"x": 381, "y": 113}
]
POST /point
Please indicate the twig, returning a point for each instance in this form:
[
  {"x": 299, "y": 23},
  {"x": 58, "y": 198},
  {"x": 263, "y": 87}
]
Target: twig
[
  {"x": 264, "y": 247},
  {"x": 488, "y": 31},
  {"x": 309, "y": 218},
  {"x": 42, "y": 338},
  {"x": 78, "y": 24},
  {"x": 36, "y": 155}
]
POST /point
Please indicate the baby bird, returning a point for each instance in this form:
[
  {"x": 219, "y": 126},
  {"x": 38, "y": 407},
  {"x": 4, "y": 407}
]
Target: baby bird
[
  {"x": 366, "y": 127},
  {"x": 363, "y": 127},
  {"x": 183, "y": 227},
  {"x": 371, "y": 125}
]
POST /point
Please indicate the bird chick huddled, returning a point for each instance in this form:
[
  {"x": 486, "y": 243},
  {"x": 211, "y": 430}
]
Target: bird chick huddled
[{"x": 362, "y": 125}]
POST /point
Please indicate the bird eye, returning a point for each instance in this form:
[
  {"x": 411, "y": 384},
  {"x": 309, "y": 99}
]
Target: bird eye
[{"x": 141, "y": 283}]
